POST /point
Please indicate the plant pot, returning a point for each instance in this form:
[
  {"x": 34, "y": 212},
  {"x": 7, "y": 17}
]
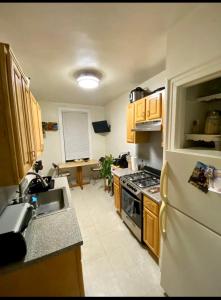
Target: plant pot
[{"x": 106, "y": 184}]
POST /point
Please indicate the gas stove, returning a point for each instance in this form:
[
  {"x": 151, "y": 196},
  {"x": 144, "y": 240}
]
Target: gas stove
[
  {"x": 132, "y": 187},
  {"x": 140, "y": 180}
]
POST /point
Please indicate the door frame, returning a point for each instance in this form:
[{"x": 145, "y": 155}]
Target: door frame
[{"x": 67, "y": 109}]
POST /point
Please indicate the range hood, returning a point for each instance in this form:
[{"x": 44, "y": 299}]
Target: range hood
[{"x": 149, "y": 126}]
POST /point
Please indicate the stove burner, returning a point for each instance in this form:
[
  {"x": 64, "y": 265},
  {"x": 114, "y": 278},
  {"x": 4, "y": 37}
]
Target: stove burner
[
  {"x": 140, "y": 180},
  {"x": 147, "y": 182},
  {"x": 137, "y": 176}
]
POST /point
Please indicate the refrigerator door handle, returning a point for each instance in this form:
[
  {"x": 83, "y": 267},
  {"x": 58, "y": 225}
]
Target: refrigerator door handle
[
  {"x": 163, "y": 181},
  {"x": 163, "y": 194},
  {"x": 162, "y": 224}
]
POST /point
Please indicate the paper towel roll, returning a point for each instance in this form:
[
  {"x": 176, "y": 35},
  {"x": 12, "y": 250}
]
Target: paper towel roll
[{"x": 134, "y": 164}]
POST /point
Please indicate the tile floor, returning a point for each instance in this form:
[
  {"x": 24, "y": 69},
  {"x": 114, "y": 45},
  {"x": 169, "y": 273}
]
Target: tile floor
[{"x": 114, "y": 262}]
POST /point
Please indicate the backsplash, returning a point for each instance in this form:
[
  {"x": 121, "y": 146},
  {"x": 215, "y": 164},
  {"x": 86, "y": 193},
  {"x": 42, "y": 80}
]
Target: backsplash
[
  {"x": 6, "y": 194},
  {"x": 151, "y": 153}
]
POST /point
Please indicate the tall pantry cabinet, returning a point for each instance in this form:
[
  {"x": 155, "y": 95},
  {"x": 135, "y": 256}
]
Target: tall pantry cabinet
[{"x": 18, "y": 130}]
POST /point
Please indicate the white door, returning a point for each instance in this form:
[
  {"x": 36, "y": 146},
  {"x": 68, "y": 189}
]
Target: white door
[
  {"x": 205, "y": 208},
  {"x": 190, "y": 264},
  {"x": 76, "y": 134}
]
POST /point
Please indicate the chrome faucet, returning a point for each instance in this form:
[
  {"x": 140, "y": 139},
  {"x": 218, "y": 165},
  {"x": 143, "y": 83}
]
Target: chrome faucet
[{"x": 44, "y": 184}]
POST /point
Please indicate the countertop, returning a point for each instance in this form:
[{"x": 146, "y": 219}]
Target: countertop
[
  {"x": 51, "y": 234},
  {"x": 155, "y": 197},
  {"x": 122, "y": 171}
]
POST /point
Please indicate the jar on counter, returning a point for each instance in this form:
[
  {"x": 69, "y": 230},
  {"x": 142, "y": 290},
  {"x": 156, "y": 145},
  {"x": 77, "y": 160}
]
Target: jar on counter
[{"x": 213, "y": 122}]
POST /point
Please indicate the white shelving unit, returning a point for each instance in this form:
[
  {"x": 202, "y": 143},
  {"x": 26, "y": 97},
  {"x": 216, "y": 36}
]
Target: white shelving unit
[
  {"x": 206, "y": 138},
  {"x": 209, "y": 98}
]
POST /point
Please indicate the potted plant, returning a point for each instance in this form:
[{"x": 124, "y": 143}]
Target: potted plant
[{"x": 105, "y": 171}]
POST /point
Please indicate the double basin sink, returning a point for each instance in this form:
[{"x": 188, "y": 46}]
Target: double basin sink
[{"x": 51, "y": 201}]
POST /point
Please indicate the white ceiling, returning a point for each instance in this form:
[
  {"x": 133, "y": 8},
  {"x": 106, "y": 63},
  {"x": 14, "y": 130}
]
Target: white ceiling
[{"x": 124, "y": 41}]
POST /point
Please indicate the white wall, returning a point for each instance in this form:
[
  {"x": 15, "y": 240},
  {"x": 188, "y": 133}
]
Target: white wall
[
  {"x": 194, "y": 40},
  {"x": 115, "y": 110},
  {"x": 52, "y": 144}
]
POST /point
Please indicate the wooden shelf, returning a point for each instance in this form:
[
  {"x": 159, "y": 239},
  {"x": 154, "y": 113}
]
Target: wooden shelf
[{"x": 209, "y": 98}]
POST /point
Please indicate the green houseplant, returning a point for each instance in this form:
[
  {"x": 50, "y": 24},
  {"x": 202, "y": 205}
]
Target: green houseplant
[{"x": 105, "y": 171}]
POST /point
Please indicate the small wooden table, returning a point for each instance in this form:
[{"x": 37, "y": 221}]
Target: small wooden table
[{"x": 79, "y": 173}]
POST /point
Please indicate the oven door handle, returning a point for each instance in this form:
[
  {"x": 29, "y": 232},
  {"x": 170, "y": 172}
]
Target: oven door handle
[
  {"x": 124, "y": 190},
  {"x": 135, "y": 200}
]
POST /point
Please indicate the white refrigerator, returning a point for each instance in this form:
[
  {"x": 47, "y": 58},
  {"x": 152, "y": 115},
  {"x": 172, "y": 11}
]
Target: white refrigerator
[{"x": 190, "y": 222}]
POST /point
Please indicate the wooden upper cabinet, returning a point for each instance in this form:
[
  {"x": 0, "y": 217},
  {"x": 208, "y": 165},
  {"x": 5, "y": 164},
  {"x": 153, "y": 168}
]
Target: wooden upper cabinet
[
  {"x": 30, "y": 128},
  {"x": 17, "y": 134},
  {"x": 40, "y": 128},
  {"x": 20, "y": 120},
  {"x": 37, "y": 126},
  {"x": 140, "y": 110},
  {"x": 153, "y": 106},
  {"x": 136, "y": 137},
  {"x": 130, "y": 123}
]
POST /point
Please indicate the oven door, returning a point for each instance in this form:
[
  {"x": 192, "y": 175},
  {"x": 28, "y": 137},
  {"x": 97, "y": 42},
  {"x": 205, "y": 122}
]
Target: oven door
[{"x": 132, "y": 206}]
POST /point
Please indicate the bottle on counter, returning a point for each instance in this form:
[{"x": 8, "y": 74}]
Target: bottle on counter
[
  {"x": 129, "y": 160},
  {"x": 134, "y": 164},
  {"x": 141, "y": 165}
]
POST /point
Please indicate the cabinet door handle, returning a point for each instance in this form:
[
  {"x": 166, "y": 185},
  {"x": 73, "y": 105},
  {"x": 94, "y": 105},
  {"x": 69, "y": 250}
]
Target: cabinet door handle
[{"x": 148, "y": 113}]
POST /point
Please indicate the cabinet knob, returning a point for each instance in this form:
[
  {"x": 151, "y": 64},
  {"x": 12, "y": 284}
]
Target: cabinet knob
[{"x": 33, "y": 155}]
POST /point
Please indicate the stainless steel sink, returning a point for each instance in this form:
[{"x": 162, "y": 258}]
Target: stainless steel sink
[{"x": 50, "y": 202}]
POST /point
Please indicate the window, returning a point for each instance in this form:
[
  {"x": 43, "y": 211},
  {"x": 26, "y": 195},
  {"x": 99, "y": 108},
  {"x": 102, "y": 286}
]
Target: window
[{"x": 75, "y": 134}]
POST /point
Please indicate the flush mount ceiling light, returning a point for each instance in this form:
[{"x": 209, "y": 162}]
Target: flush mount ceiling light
[{"x": 88, "y": 81}]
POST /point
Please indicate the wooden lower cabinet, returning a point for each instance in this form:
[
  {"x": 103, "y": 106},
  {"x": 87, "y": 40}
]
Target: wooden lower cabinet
[
  {"x": 117, "y": 193},
  {"x": 54, "y": 276},
  {"x": 151, "y": 225}
]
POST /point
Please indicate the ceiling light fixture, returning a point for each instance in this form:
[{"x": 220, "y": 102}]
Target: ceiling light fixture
[{"x": 88, "y": 81}]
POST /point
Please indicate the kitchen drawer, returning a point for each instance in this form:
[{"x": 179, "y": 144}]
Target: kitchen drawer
[
  {"x": 116, "y": 180},
  {"x": 151, "y": 205}
]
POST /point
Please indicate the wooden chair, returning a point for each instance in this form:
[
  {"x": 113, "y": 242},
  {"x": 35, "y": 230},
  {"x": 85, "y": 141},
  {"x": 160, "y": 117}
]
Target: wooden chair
[
  {"x": 61, "y": 174},
  {"x": 95, "y": 171}
]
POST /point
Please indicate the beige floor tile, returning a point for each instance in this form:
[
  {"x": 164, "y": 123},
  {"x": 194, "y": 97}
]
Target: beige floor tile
[
  {"x": 114, "y": 263},
  {"x": 92, "y": 250}
]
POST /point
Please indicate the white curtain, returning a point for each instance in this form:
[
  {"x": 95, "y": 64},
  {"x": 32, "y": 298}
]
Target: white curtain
[{"x": 75, "y": 132}]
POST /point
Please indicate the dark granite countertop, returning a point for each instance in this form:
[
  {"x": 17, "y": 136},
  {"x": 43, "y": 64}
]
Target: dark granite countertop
[{"x": 53, "y": 233}]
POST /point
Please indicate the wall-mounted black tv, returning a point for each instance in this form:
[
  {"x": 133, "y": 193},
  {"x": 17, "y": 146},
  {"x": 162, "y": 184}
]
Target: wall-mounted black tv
[{"x": 101, "y": 126}]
